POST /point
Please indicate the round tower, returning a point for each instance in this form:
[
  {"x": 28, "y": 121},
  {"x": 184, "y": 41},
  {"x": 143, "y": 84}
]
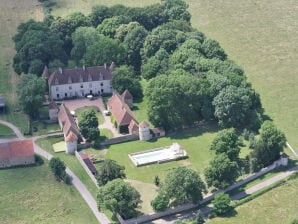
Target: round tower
[
  {"x": 144, "y": 131},
  {"x": 71, "y": 142}
]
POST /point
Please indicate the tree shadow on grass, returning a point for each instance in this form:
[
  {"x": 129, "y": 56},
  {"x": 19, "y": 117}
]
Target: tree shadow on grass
[{"x": 210, "y": 127}]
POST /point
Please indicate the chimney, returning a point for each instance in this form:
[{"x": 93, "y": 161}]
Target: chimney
[
  {"x": 105, "y": 65},
  {"x": 60, "y": 70},
  {"x": 84, "y": 67}
]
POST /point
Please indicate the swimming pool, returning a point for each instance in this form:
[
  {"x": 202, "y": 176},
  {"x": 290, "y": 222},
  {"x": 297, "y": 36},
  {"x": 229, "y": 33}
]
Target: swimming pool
[{"x": 165, "y": 154}]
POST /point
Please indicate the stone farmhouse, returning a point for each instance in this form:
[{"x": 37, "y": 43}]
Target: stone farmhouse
[
  {"x": 79, "y": 82},
  {"x": 16, "y": 153},
  {"x": 124, "y": 120},
  {"x": 70, "y": 129},
  {"x": 122, "y": 115}
]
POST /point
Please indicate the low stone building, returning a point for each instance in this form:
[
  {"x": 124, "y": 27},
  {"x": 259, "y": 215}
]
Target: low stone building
[
  {"x": 17, "y": 153},
  {"x": 70, "y": 129},
  {"x": 121, "y": 112},
  {"x": 53, "y": 111}
]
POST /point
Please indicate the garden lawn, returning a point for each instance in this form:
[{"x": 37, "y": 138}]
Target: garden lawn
[
  {"x": 196, "y": 142},
  {"x": 5, "y": 130},
  {"x": 105, "y": 134},
  {"x": 43, "y": 128},
  {"x": 276, "y": 206},
  {"x": 32, "y": 195},
  {"x": 99, "y": 116},
  {"x": 70, "y": 161}
]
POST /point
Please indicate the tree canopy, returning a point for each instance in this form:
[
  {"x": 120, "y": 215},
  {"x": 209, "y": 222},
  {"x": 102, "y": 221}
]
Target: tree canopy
[
  {"x": 30, "y": 92},
  {"x": 109, "y": 171},
  {"x": 119, "y": 197},
  {"x": 88, "y": 124},
  {"x": 221, "y": 171},
  {"x": 182, "y": 185},
  {"x": 221, "y": 203}
]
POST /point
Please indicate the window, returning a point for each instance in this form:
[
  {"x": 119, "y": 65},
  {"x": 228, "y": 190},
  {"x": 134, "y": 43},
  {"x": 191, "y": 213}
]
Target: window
[
  {"x": 82, "y": 86},
  {"x": 65, "y": 94},
  {"x": 70, "y": 87},
  {"x": 102, "y": 90},
  {"x": 101, "y": 84},
  {"x": 57, "y": 95}
]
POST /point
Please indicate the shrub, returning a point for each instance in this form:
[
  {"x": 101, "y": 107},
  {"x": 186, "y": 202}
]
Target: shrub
[
  {"x": 221, "y": 203},
  {"x": 160, "y": 203}
]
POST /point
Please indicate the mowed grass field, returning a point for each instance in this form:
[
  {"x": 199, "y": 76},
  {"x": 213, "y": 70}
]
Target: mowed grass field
[
  {"x": 261, "y": 36},
  {"x": 32, "y": 195},
  {"x": 12, "y": 13},
  {"x": 275, "y": 207}
]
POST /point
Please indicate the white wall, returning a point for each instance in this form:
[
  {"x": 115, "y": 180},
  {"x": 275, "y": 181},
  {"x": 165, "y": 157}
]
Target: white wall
[
  {"x": 71, "y": 147},
  {"x": 97, "y": 87}
]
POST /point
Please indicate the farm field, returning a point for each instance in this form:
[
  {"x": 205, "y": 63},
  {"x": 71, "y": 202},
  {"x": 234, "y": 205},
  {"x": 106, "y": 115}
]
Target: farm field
[
  {"x": 260, "y": 36},
  {"x": 273, "y": 202},
  {"x": 32, "y": 195}
]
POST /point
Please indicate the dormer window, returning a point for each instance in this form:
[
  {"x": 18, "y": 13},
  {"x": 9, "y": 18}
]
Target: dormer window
[
  {"x": 69, "y": 80},
  {"x": 89, "y": 78},
  {"x": 81, "y": 78}
]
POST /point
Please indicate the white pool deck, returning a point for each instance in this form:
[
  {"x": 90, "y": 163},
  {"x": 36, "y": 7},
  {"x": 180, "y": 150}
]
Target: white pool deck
[{"x": 158, "y": 155}]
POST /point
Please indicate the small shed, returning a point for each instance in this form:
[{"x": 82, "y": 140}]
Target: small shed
[{"x": 2, "y": 104}]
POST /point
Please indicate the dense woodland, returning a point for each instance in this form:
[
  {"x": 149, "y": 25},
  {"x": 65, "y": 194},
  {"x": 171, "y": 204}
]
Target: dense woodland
[{"x": 190, "y": 77}]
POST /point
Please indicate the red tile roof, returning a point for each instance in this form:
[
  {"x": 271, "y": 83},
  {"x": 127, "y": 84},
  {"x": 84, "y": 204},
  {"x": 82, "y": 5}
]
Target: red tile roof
[
  {"x": 133, "y": 127},
  {"x": 144, "y": 124},
  {"x": 21, "y": 148},
  {"x": 126, "y": 95},
  {"x": 69, "y": 125},
  {"x": 120, "y": 110},
  {"x": 78, "y": 75}
]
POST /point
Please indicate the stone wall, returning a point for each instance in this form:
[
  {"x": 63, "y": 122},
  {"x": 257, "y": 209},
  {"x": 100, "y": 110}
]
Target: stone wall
[
  {"x": 86, "y": 168},
  {"x": 207, "y": 198},
  {"x": 120, "y": 139}
]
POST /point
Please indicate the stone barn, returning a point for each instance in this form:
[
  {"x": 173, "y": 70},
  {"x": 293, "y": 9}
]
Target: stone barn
[{"x": 17, "y": 153}]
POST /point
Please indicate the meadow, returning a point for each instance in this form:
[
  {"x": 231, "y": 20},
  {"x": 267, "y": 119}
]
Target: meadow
[
  {"x": 275, "y": 207},
  {"x": 32, "y": 195}
]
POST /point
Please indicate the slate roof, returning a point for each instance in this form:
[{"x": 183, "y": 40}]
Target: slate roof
[
  {"x": 15, "y": 149},
  {"x": 120, "y": 110},
  {"x": 78, "y": 75}
]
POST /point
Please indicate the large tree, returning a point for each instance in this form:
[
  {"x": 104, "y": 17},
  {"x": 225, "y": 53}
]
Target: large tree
[
  {"x": 81, "y": 39},
  {"x": 182, "y": 185},
  {"x": 58, "y": 168},
  {"x": 221, "y": 171},
  {"x": 269, "y": 145},
  {"x": 175, "y": 100},
  {"x": 119, "y": 197},
  {"x": 228, "y": 142},
  {"x": 221, "y": 203},
  {"x": 88, "y": 124},
  {"x": 236, "y": 107},
  {"x": 123, "y": 78},
  {"x": 35, "y": 45},
  {"x": 31, "y": 94},
  {"x": 108, "y": 171},
  {"x": 104, "y": 50}
]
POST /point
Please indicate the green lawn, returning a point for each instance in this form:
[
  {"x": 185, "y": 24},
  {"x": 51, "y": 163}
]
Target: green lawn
[
  {"x": 105, "y": 134},
  {"x": 275, "y": 207},
  {"x": 99, "y": 116},
  {"x": 5, "y": 130},
  {"x": 32, "y": 195},
  {"x": 43, "y": 128},
  {"x": 70, "y": 160}
]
